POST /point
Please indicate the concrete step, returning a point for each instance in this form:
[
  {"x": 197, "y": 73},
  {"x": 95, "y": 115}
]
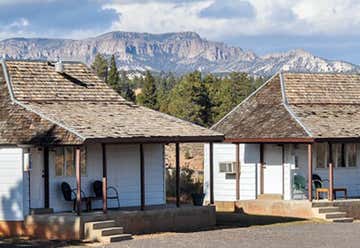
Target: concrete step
[
  {"x": 321, "y": 204},
  {"x": 114, "y": 238},
  {"x": 322, "y": 210},
  {"x": 109, "y": 231},
  {"x": 99, "y": 224},
  {"x": 41, "y": 211},
  {"x": 334, "y": 215},
  {"x": 270, "y": 197},
  {"x": 342, "y": 220}
]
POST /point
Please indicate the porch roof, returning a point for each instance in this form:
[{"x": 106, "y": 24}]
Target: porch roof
[
  {"x": 297, "y": 107},
  {"x": 79, "y": 103}
]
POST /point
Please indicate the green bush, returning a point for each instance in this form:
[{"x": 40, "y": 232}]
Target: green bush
[{"x": 188, "y": 184}]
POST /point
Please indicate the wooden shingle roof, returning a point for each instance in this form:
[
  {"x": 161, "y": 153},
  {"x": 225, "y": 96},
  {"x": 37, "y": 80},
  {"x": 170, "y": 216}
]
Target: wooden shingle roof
[
  {"x": 82, "y": 108},
  {"x": 307, "y": 106}
]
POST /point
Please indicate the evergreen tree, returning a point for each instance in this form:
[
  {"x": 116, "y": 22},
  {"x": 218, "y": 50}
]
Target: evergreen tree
[
  {"x": 100, "y": 66},
  {"x": 189, "y": 100},
  {"x": 125, "y": 86},
  {"x": 113, "y": 76},
  {"x": 148, "y": 95}
]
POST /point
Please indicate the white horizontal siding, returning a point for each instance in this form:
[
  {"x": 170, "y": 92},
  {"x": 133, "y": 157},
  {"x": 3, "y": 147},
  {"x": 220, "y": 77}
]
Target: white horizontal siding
[
  {"x": 249, "y": 158},
  {"x": 11, "y": 184},
  {"x": 123, "y": 163},
  {"x": 154, "y": 174},
  {"x": 225, "y": 189}
]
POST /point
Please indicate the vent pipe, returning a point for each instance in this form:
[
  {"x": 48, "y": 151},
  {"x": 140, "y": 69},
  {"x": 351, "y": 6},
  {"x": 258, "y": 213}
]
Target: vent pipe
[{"x": 59, "y": 66}]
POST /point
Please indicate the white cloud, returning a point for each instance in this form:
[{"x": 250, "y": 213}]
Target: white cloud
[
  {"x": 283, "y": 17},
  {"x": 20, "y": 23}
]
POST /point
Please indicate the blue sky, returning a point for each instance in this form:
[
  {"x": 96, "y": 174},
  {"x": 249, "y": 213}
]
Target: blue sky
[{"x": 327, "y": 28}]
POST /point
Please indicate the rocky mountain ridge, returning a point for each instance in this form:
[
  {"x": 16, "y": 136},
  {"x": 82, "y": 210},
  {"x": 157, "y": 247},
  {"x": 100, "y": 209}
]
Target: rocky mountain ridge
[{"x": 176, "y": 52}]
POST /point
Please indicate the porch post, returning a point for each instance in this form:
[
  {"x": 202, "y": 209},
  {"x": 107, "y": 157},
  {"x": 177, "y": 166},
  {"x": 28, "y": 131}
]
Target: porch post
[
  {"x": 78, "y": 180},
  {"x": 261, "y": 168},
  {"x": 142, "y": 178},
  {"x": 104, "y": 178},
  {"x": 310, "y": 169},
  {"x": 331, "y": 174},
  {"x": 211, "y": 167},
  {"x": 237, "y": 171},
  {"x": 46, "y": 178},
  {"x": 177, "y": 174}
]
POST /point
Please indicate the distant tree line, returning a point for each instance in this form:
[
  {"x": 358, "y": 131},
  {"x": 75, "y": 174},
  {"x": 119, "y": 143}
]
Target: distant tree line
[{"x": 199, "y": 98}]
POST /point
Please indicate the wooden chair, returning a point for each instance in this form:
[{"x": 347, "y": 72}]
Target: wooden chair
[
  {"x": 319, "y": 187},
  {"x": 70, "y": 195},
  {"x": 112, "y": 193}
]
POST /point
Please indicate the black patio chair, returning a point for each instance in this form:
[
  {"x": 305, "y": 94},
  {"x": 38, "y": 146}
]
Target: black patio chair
[
  {"x": 317, "y": 181},
  {"x": 112, "y": 194},
  {"x": 70, "y": 195}
]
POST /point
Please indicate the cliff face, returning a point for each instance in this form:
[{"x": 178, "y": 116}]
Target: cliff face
[{"x": 177, "y": 52}]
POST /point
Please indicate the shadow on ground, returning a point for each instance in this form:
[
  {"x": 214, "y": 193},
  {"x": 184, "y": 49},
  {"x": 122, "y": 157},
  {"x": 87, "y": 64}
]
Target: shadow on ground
[
  {"x": 24, "y": 242},
  {"x": 239, "y": 219}
]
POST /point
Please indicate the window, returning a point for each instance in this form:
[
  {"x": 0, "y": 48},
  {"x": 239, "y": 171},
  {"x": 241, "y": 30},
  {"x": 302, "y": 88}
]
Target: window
[
  {"x": 65, "y": 161},
  {"x": 227, "y": 167},
  {"x": 338, "y": 155},
  {"x": 343, "y": 155},
  {"x": 296, "y": 161},
  {"x": 351, "y": 155},
  {"x": 321, "y": 155}
]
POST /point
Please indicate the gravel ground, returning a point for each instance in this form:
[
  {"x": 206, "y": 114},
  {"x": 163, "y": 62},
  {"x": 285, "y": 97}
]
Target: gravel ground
[
  {"x": 291, "y": 234},
  {"x": 274, "y": 236}
]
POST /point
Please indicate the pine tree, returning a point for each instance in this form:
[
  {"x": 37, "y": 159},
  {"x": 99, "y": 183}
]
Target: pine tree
[
  {"x": 125, "y": 85},
  {"x": 189, "y": 100},
  {"x": 113, "y": 76},
  {"x": 148, "y": 95},
  {"x": 100, "y": 66}
]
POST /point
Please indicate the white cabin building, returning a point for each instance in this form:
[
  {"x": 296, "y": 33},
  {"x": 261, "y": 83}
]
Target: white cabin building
[
  {"x": 296, "y": 137},
  {"x": 62, "y": 132}
]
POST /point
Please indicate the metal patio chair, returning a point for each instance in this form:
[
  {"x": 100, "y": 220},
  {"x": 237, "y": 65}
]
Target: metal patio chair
[
  {"x": 70, "y": 195},
  {"x": 299, "y": 186},
  {"x": 113, "y": 194}
]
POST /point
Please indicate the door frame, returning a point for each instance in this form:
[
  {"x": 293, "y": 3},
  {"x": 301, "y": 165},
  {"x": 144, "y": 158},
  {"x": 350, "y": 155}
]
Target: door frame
[{"x": 263, "y": 164}]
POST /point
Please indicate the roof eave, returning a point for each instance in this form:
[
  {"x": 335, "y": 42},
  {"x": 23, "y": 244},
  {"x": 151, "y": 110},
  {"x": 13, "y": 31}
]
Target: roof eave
[
  {"x": 269, "y": 140},
  {"x": 159, "y": 139}
]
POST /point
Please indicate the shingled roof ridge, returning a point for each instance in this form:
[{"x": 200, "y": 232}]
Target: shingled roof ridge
[
  {"x": 42, "y": 61},
  {"x": 287, "y": 106},
  {"x": 245, "y": 100},
  {"x": 28, "y": 108},
  {"x": 347, "y": 73}
]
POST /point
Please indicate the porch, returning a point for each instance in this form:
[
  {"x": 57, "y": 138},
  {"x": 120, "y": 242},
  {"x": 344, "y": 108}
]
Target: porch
[
  {"x": 290, "y": 169},
  {"x": 334, "y": 211},
  {"x": 165, "y": 218}
]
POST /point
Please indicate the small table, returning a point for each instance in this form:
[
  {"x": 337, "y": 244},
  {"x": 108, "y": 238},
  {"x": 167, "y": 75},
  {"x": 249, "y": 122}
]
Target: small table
[
  {"x": 326, "y": 190},
  {"x": 344, "y": 190}
]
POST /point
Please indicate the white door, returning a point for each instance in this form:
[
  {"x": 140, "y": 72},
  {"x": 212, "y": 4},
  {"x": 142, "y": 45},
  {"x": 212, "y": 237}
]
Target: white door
[
  {"x": 36, "y": 179},
  {"x": 273, "y": 169}
]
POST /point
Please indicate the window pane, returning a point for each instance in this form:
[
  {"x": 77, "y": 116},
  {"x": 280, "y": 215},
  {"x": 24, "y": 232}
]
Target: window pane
[
  {"x": 338, "y": 155},
  {"x": 59, "y": 161},
  {"x": 351, "y": 150},
  {"x": 83, "y": 161},
  {"x": 321, "y": 155},
  {"x": 70, "y": 163}
]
